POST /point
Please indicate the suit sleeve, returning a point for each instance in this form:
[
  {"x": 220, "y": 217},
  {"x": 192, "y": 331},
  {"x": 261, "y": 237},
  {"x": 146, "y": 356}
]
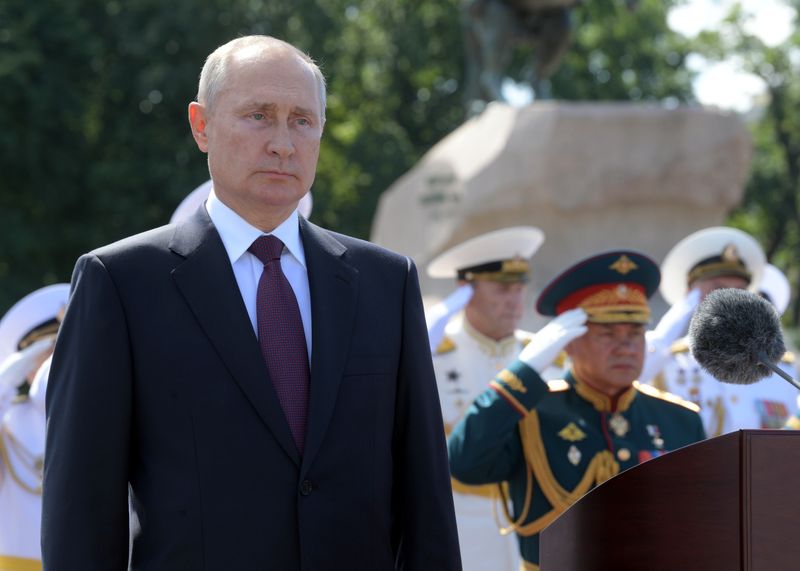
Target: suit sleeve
[
  {"x": 484, "y": 446},
  {"x": 85, "y": 498},
  {"x": 425, "y": 529}
]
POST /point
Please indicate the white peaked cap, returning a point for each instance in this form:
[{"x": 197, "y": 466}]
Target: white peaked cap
[
  {"x": 33, "y": 310},
  {"x": 506, "y": 244},
  {"x": 702, "y": 245},
  {"x": 198, "y": 196},
  {"x": 776, "y": 285}
]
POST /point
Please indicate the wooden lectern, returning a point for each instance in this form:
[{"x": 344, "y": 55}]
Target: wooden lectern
[{"x": 731, "y": 503}]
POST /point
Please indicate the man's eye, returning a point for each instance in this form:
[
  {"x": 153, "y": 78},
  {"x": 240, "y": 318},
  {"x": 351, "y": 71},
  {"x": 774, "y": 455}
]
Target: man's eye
[
  {"x": 257, "y": 116},
  {"x": 303, "y": 121}
]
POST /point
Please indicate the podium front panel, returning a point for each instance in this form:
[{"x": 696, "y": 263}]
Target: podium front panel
[{"x": 678, "y": 512}]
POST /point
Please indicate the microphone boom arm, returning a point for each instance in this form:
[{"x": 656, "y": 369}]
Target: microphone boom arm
[{"x": 777, "y": 370}]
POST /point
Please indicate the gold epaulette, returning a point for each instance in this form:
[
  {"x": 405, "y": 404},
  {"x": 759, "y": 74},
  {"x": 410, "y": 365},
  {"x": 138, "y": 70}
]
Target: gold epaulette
[
  {"x": 788, "y": 358},
  {"x": 664, "y": 395},
  {"x": 445, "y": 346},
  {"x": 680, "y": 346},
  {"x": 557, "y": 385}
]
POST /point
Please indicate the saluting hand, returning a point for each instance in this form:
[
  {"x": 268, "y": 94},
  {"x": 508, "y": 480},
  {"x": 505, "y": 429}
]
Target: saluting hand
[{"x": 551, "y": 339}]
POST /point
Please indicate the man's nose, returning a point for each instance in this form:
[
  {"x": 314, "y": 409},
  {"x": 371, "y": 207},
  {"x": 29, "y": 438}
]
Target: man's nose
[
  {"x": 625, "y": 346},
  {"x": 280, "y": 141}
]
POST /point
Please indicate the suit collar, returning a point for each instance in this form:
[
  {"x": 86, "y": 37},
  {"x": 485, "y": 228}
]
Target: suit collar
[
  {"x": 206, "y": 281},
  {"x": 333, "y": 284},
  {"x": 215, "y": 300}
]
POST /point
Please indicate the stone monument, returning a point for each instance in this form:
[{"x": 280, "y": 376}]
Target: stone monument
[{"x": 593, "y": 176}]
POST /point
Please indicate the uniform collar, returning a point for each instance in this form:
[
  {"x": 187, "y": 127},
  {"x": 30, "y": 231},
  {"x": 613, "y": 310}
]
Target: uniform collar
[
  {"x": 489, "y": 345},
  {"x": 601, "y": 401},
  {"x": 237, "y": 234}
]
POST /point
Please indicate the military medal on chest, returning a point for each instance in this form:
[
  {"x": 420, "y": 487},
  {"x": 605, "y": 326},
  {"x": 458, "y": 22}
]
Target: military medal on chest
[
  {"x": 619, "y": 424},
  {"x": 571, "y": 433},
  {"x": 655, "y": 435},
  {"x": 574, "y": 455}
]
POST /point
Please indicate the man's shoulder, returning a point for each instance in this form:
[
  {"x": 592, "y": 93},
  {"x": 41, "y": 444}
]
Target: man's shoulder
[
  {"x": 155, "y": 240},
  {"x": 662, "y": 399},
  {"x": 359, "y": 250}
]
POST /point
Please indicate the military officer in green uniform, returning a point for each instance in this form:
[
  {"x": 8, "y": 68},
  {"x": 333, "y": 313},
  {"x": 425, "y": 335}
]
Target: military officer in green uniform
[{"x": 552, "y": 442}]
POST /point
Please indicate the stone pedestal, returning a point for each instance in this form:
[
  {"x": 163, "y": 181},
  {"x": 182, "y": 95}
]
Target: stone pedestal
[{"x": 593, "y": 176}]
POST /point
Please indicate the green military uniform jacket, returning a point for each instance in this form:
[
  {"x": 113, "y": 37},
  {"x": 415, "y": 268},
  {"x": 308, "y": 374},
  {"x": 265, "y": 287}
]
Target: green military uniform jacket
[{"x": 553, "y": 442}]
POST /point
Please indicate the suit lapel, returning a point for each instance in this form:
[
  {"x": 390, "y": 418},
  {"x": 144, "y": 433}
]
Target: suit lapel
[
  {"x": 206, "y": 281},
  {"x": 333, "y": 285}
]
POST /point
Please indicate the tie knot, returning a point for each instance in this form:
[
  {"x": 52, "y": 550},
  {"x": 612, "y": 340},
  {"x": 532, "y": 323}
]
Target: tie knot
[{"x": 266, "y": 248}]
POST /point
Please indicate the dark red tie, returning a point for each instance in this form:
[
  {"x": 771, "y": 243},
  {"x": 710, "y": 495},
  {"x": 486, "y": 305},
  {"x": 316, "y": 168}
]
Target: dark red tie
[{"x": 281, "y": 336}]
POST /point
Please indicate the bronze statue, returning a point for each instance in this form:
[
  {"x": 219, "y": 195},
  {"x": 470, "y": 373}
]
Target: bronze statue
[{"x": 494, "y": 28}]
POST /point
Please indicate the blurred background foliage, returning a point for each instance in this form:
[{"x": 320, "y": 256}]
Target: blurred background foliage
[{"x": 95, "y": 143}]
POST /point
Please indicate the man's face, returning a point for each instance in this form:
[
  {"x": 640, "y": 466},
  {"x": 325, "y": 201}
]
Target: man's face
[
  {"x": 707, "y": 285},
  {"x": 262, "y": 134},
  {"x": 609, "y": 356},
  {"x": 496, "y": 308}
]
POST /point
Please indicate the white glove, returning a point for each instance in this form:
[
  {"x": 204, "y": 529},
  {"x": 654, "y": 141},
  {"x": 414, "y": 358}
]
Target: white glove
[
  {"x": 670, "y": 328},
  {"x": 675, "y": 321},
  {"x": 39, "y": 384},
  {"x": 551, "y": 339},
  {"x": 440, "y": 314},
  {"x": 17, "y": 366}
]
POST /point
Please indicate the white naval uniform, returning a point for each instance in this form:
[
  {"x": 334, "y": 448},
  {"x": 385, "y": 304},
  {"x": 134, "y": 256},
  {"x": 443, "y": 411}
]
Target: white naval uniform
[
  {"x": 22, "y": 446},
  {"x": 726, "y": 407},
  {"x": 465, "y": 362}
]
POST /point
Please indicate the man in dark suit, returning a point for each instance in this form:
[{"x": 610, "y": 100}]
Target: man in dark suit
[{"x": 263, "y": 387}]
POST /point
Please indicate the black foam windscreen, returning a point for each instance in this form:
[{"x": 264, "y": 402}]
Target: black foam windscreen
[{"x": 733, "y": 332}]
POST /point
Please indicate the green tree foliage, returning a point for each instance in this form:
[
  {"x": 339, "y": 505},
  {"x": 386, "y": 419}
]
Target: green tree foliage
[
  {"x": 95, "y": 142},
  {"x": 624, "y": 50},
  {"x": 771, "y": 209}
]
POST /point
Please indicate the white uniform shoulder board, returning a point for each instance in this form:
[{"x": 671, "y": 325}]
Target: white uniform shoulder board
[
  {"x": 664, "y": 395},
  {"x": 680, "y": 346}
]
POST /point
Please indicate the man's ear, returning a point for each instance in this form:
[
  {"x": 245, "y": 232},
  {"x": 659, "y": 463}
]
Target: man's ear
[{"x": 198, "y": 122}]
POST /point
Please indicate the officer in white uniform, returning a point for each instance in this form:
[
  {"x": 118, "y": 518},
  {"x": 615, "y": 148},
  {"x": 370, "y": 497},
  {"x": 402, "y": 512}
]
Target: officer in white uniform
[
  {"x": 473, "y": 336},
  {"x": 707, "y": 260},
  {"x": 27, "y": 335}
]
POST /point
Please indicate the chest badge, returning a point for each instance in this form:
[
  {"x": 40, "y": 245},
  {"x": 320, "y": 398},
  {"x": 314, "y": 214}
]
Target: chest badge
[
  {"x": 619, "y": 424},
  {"x": 574, "y": 455},
  {"x": 571, "y": 433},
  {"x": 655, "y": 435},
  {"x": 773, "y": 414}
]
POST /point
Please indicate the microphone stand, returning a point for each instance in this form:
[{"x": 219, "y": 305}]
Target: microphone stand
[{"x": 777, "y": 370}]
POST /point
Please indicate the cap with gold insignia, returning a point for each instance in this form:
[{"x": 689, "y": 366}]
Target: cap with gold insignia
[
  {"x": 611, "y": 287},
  {"x": 711, "y": 252},
  {"x": 35, "y": 316},
  {"x": 501, "y": 255},
  {"x": 775, "y": 287}
]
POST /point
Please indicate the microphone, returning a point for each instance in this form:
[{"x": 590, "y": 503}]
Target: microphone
[{"x": 736, "y": 336}]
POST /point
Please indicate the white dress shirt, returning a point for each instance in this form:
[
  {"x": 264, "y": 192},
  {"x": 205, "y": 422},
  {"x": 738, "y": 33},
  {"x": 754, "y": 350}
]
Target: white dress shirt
[{"x": 237, "y": 236}]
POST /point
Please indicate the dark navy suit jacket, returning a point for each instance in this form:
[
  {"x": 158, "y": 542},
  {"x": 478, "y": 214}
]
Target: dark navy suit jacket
[{"x": 158, "y": 383}]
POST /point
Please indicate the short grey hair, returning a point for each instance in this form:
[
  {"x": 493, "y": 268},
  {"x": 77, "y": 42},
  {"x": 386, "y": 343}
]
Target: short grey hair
[{"x": 212, "y": 76}]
